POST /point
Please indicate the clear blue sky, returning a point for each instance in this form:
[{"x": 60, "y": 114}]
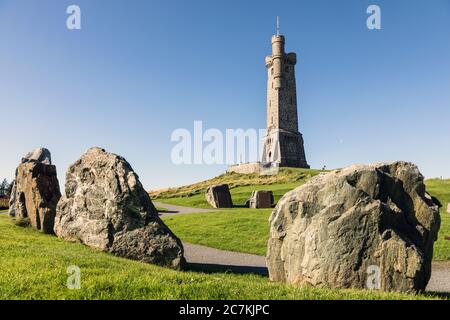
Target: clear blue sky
[{"x": 140, "y": 69}]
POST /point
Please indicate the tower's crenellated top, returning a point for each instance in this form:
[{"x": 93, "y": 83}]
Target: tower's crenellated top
[
  {"x": 278, "y": 42},
  {"x": 278, "y": 52}
]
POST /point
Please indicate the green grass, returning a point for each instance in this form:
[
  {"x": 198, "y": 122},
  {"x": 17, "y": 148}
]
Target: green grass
[
  {"x": 441, "y": 190},
  {"x": 33, "y": 266},
  {"x": 196, "y": 201},
  {"x": 241, "y": 187},
  {"x": 247, "y": 230},
  {"x": 240, "y": 230}
]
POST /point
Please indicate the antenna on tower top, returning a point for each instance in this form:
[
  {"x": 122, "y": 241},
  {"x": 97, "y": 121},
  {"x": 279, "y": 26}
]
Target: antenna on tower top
[{"x": 278, "y": 25}]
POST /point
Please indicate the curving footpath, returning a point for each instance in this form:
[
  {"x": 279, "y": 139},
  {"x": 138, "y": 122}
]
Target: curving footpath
[
  {"x": 174, "y": 210},
  {"x": 214, "y": 260}
]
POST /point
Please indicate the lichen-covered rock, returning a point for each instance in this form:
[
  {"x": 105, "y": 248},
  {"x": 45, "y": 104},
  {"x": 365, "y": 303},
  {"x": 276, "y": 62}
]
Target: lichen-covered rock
[
  {"x": 106, "y": 207},
  {"x": 36, "y": 191},
  {"x": 346, "y": 227},
  {"x": 40, "y": 155},
  {"x": 261, "y": 199},
  {"x": 219, "y": 196}
]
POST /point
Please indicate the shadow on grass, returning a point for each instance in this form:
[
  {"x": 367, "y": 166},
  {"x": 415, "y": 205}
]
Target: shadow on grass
[
  {"x": 167, "y": 212},
  {"x": 444, "y": 295},
  {"x": 219, "y": 268},
  {"x": 246, "y": 207}
]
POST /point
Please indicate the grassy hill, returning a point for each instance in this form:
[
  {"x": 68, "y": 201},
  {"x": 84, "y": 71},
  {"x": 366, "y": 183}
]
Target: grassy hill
[
  {"x": 241, "y": 187},
  {"x": 34, "y": 266}
]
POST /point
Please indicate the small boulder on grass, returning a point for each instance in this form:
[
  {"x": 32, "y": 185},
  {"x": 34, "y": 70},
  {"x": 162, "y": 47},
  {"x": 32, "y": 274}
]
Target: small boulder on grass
[
  {"x": 261, "y": 199},
  {"x": 219, "y": 196}
]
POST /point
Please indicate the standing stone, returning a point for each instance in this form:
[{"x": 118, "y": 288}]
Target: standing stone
[
  {"x": 36, "y": 191},
  {"x": 341, "y": 228},
  {"x": 12, "y": 200},
  {"x": 448, "y": 208},
  {"x": 106, "y": 207},
  {"x": 261, "y": 199},
  {"x": 219, "y": 196}
]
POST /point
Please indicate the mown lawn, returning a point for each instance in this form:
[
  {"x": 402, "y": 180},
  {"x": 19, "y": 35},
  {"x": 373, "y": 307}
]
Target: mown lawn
[
  {"x": 441, "y": 190},
  {"x": 239, "y": 230},
  {"x": 34, "y": 266},
  {"x": 196, "y": 201},
  {"x": 247, "y": 230}
]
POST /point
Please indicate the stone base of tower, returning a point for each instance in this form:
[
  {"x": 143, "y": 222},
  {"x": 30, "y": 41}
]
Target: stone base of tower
[{"x": 284, "y": 149}]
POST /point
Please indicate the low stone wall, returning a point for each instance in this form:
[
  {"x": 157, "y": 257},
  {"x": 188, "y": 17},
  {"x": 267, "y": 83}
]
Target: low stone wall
[{"x": 245, "y": 168}]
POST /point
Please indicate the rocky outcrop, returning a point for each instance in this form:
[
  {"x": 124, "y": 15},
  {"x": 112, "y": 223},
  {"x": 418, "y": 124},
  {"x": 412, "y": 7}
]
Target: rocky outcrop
[
  {"x": 106, "y": 207},
  {"x": 366, "y": 226},
  {"x": 261, "y": 199},
  {"x": 219, "y": 196},
  {"x": 36, "y": 191}
]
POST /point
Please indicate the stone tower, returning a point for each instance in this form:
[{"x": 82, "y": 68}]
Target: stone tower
[{"x": 283, "y": 143}]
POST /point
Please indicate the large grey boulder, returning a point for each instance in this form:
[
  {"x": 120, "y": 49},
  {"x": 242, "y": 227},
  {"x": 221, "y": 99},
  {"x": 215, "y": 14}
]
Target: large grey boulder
[
  {"x": 35, "y": 192},
  {"x": 366, "y": 226},
  {"x": 106, "y": 207},
  {"x": 219, "y": 196},
  {"x": 261, "y": 199}
]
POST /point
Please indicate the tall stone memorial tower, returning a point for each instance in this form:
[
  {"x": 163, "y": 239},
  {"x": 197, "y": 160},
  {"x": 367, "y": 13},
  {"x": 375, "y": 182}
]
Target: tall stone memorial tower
[{"x": 283, "y": 143}]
